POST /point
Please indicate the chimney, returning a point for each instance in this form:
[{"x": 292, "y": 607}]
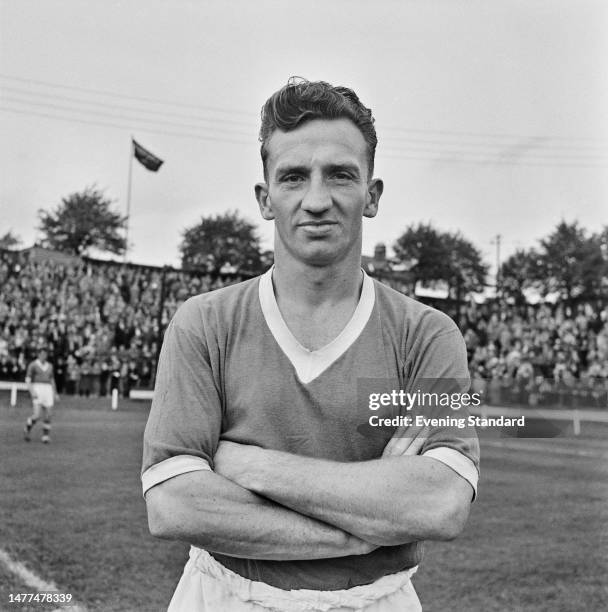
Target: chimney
[{"x": 380, "y": 252}]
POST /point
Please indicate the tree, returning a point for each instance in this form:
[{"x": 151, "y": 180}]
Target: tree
[
  {"x": 82, "y": 221},
  {"x": 466, "y": 271},
  {"x": 9, "y": 240},
  {"x": 441, "y": 256},
  {"x": 572, "y": 261},
  {"x": 221, "y": 242},
  {"x": 601, "y": 238},
  {"x": 519, "y": 272},
  {"x": 422, "y": 244}
]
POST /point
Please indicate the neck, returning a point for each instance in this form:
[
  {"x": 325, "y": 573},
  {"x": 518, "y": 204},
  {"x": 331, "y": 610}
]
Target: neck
[{"x": 311, "y": 286}]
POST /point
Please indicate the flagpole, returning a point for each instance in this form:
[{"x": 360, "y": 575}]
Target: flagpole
[{"x": 129, "y": 199}]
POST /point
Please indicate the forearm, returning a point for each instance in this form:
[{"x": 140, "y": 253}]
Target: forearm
[
  {"x": 389, "y": 501},
  {"x": 209, "y": 511}
]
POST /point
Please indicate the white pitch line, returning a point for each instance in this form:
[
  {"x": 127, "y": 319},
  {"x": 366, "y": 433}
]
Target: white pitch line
[
  {"x": 26, "y": 575},
  {"x": 35, "y": 582},
  {"x": 543, "y": 448}
]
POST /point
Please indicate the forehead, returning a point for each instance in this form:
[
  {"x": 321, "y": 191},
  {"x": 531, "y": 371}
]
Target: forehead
[{"x": 323, "y": 141}]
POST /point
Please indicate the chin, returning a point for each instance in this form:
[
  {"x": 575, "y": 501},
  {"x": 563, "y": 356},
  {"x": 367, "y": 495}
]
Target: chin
[
  {"x": 318, "y": 253},
  {"x": 322, "y": 257}
]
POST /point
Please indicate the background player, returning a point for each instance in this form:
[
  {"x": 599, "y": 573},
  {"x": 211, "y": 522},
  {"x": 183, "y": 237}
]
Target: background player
[{"x": 40, "y": 381}]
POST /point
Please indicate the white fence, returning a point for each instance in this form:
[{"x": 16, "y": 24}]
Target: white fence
[
  {"x": 575, "y": 415},
  {"x": 13, "y": 387}
]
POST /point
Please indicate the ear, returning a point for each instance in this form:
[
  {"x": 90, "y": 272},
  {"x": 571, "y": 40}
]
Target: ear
[
  {"x": 261, "y": 195},
  {"x": 375, "y": 187}
]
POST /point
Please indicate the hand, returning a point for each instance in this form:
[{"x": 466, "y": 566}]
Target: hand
[
  {"x": 406, "y": 441},
  {"x": 237, "y": 462}
]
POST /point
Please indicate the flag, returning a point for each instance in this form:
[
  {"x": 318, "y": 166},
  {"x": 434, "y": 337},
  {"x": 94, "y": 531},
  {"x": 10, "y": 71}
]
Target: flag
[{"x": 145, "y": 158}]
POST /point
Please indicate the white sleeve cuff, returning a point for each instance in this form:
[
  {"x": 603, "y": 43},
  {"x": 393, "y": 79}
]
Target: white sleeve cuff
[
  {"x": 169, "y": 468},
  {"x": 461, "y": 464}
]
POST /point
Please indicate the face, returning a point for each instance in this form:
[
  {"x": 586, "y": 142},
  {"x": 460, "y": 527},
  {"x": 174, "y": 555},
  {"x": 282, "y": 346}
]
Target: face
[{"x": 318, "y": 191}]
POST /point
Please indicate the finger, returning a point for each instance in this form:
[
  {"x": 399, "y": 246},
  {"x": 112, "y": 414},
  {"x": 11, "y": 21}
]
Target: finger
[
  {"x": 401, "y": 439},
  {"x": 398, "y": 435},
  {"x": 406, "y": 442},
  {"x": 416, "y": 446},
  {"x": 397, "y": 445},
  {"x": 388, "y": 447}
]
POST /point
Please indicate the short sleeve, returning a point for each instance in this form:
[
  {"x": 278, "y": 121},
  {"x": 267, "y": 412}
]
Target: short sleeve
[
  {"x": 183, "y": 428},
  {"x": 437, "y": 366}
]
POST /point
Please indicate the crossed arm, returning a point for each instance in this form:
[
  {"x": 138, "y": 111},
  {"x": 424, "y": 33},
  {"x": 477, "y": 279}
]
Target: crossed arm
[
  {"x": 267, "y": 504},
  {"x": 209, "y": 511}
]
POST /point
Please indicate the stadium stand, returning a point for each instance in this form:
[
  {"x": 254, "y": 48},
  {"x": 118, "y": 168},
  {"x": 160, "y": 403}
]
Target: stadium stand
[
  {"x": 538, "y": 355},
  {"x": 103, "y": 321}
]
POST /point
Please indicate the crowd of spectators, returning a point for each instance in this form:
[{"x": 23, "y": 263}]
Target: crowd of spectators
[
  {"x": 101, "y": 323},
  {"x": 538, "y": 355}
]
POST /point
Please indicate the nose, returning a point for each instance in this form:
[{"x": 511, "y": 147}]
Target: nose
[{"x": 317, "y": 198}]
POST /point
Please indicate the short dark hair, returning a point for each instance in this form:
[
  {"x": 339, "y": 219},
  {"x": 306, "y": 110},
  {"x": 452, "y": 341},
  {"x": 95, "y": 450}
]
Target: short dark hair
[{"x": 301, "y": 100}]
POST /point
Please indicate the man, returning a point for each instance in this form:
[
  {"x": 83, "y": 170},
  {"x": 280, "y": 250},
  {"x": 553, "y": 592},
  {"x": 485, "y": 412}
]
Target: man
[
  {"x": 41, "y": 386},
  {"x": 256, "y": 451}
]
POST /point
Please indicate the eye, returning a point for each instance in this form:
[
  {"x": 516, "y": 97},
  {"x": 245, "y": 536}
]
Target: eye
[
  {"x": 342, "y": 175},
  {"x": 292, "y": 178}
]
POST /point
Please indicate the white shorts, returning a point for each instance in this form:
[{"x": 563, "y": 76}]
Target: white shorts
[
  {"x": 44, "y": 393},
  {"x": 208, "y": 586}
]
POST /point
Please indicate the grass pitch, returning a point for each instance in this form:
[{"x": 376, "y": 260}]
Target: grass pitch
[{"x": 73, "y": 513}]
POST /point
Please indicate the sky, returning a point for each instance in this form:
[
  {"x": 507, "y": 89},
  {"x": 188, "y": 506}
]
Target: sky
[{"x": 491, "y": 116}]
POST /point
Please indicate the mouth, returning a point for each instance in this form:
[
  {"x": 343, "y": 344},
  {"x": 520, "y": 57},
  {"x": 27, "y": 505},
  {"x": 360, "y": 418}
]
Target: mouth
[{"x": 314, "y": 224}]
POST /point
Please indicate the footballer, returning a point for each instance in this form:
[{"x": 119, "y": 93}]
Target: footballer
[
  {"x": 254, "y": 452},
  {"x": 40, "y": 381}
]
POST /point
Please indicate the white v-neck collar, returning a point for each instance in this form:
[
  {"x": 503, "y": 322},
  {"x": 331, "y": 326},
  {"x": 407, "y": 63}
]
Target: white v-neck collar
[{"x": 310, "y": 364}]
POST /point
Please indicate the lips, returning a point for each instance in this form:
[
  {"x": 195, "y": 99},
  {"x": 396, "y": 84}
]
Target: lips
[{"x": 316, "y": 223}]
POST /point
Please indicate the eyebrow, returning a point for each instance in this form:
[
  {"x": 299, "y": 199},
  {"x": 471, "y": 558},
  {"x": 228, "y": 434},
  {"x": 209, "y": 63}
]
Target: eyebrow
[
  {"x": 302, "y": 169},
  {"x": 287, "y": 168},
  {"x": 353, "y": 168}
]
